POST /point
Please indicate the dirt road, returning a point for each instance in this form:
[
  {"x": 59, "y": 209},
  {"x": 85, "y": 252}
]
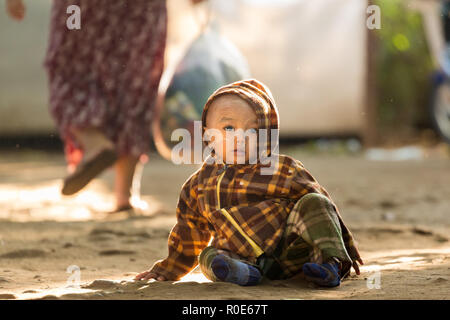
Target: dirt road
[{"x": 66, "y": 248}]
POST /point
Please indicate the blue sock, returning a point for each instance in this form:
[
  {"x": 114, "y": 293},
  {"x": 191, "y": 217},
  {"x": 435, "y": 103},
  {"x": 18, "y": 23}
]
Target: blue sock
[
  {"x": 235, "y": 271},
  {"x": 325, "y": 275}
]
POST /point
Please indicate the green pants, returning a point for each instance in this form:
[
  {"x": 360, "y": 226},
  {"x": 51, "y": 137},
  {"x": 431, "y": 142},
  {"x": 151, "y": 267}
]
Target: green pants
[{"x": 312, "y": 234}]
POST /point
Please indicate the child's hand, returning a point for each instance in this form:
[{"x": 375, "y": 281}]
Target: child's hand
[
  {"x": 356, "y": 267},
  {"x": 147, "y": 275},
  {"x": 15, "y": 9}
]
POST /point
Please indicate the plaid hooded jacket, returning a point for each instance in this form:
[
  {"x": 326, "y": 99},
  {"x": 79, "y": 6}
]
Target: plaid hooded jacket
[{"x": 235, "y": 207}]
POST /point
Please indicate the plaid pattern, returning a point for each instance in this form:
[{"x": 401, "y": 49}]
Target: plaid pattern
[
  {"x": 312, "y": 234},
  {"x": 259, "y": 204}
]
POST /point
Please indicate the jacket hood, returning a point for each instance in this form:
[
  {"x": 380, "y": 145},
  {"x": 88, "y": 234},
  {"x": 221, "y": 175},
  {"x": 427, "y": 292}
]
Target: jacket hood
[{"x": 259, "y": 97}]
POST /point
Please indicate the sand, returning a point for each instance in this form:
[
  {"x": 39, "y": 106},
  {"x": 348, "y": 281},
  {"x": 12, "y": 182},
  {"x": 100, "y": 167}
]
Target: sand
[{"x": 54, "y": 247}]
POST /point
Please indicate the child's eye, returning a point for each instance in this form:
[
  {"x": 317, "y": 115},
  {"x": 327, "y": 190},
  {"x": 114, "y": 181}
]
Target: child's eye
[{"x": 229, "y": 128}]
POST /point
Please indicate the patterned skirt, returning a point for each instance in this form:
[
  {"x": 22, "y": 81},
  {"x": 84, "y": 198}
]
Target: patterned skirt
[{"x": 106, "y": 74}]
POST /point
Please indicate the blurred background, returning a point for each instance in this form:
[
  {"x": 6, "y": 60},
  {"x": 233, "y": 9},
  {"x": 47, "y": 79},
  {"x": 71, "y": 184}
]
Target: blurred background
[{"x": 331, "y": 76}]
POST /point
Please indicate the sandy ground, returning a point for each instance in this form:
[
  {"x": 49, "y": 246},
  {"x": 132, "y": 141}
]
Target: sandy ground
[{"x": 55, "y": 247}]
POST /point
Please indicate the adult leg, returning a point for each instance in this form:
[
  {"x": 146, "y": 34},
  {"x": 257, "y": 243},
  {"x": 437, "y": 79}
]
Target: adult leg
[
  {"x": 98, "y": 154},
  {"x": 128, "y": 171},
  {"x": 92, "y": 140}
]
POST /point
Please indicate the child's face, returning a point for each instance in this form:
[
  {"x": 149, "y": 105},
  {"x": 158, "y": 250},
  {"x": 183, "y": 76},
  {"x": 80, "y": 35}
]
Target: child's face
[{"x": 228, "y": 114}]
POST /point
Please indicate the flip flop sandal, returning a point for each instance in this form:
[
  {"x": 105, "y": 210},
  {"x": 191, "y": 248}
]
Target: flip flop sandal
[
  {"x": 121, "y": 209},
  {"x": 87, "y": 171}
]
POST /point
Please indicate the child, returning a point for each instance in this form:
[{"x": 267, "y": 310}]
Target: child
[{"x": 261, "y": 225}]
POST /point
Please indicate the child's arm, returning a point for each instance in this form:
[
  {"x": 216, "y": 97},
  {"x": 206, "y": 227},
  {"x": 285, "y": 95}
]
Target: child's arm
[{"x": 187, "y": 239}]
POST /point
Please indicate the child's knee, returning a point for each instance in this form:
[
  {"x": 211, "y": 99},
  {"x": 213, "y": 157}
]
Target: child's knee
[
  {"x": 314, "y": 202},
  {"x": 313, "y": 197}
]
